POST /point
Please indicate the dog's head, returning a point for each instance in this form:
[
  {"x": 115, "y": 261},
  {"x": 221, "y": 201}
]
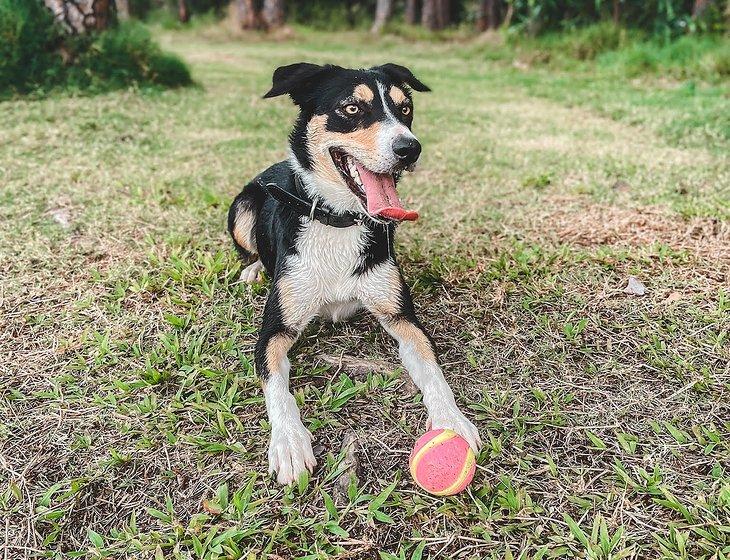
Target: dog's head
[{"x": 353, "y": 137}]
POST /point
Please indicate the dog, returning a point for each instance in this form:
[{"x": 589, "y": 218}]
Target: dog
[{"x": 322, "y": 225}]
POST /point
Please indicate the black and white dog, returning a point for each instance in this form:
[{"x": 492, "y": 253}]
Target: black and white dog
[{"x": 322, "y": 224}]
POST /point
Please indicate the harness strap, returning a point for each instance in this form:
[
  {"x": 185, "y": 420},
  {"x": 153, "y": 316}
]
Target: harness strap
[{"x": 311, "y": 210}]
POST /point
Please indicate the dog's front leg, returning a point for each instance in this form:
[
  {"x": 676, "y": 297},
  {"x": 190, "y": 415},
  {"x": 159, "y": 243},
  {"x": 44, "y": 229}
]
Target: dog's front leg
[
  {"x": 393, "y": 307},
  {"x": 290, "y": 448}
]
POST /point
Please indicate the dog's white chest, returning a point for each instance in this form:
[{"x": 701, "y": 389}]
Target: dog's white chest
[{"x": 323, "y": 268}]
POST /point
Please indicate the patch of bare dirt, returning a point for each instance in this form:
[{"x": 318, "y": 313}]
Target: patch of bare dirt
[{"x": 591, "y": 225}]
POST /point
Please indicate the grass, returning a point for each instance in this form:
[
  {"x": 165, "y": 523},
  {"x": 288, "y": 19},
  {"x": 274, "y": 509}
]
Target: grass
[{"x": 132, "y": 424}]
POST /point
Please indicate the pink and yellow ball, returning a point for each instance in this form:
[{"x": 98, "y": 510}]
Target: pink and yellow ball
[{"x": 442, "y": 463}]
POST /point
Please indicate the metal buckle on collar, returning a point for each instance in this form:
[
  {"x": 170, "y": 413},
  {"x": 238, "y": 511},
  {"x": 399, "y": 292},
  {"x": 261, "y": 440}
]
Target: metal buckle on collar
[{"x": 313, "y": 210}]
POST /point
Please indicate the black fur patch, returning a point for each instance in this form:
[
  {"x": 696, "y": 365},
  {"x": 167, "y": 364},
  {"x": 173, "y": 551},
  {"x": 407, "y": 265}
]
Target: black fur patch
[{"x": 379, "y": 247}]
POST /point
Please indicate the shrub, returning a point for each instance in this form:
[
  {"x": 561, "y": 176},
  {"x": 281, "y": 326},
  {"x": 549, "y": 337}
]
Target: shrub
[
  {"x": 27, "y": 40},
  {"x": 721, "y": 62},
  {"x": 128, "y": 55},
  {"x": 664, "y": 18},
  {"x": 30, "y": 55},
  {"x": 587, "y": 43},
  {"x": 688, "y": 57},
  {"x": 331, "y": 15},
  {"x": 140, "y": 8},
  {"x": 624, "y": 52}
]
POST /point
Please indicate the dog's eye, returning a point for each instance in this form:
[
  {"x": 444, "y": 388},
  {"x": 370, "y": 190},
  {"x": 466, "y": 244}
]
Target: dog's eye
[
  {"x": 406, "y": 110},
  {"x": 352, "y": 109}
]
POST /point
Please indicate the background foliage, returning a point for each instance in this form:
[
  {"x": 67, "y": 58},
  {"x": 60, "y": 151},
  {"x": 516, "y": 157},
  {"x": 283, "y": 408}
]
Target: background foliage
[
  {"x": 36, "y": 56},
  {"x": 27, "y": 37},
  {"x": 663, "y": 17}
]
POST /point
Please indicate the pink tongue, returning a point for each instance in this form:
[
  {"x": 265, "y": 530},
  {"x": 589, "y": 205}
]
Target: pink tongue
[{"x": 382, "y": 197}]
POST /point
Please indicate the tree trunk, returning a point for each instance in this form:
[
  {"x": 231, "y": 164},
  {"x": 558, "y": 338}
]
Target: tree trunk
[
  {"x": 487, "y": 15},
  {"x": 428, "y": 14},
  {"x": 248, "y": 17},
  {"x": 436, "y": 14},
  {"x": 273, "y": 13},
  {"x": 411, "y": 15},
  {"x": 699, "y": 7},
  {"x": 383, "y": 9},
  {"x": 508, "y": 16},
  {"x": 350, "y": 12},
  {"x": 183, "y": 12},
  {"x": 80, "y": 16},
  {"x": 616, "y": 11},
  {"x": 443, "y": 13},
  {"x": 122, "y": 9}
]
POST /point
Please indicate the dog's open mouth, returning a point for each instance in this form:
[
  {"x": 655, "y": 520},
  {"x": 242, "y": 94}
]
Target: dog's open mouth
[{"x": 376, "y": 191}]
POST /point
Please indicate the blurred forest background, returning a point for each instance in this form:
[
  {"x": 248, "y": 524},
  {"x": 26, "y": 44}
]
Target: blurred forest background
[
  {"x": 662, "y": 17},
  {"x": 99, "y": 44}
]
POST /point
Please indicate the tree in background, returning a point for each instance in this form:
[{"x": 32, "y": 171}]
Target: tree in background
[
  {"x": 80, "y": 16},
  {"x": 488, "y": 15},
  {"x": 273, "y": 13},
  {"x": 255, "y": 15},
  {"x": 383, "y": 9},
  {"x": 699, "y": 7},
  {"x": 435, "y": 14},
  {"x": 183, "y": 12},
  {"x": 411, "y": 12},
  {"x": 247, "y": 15},
  {"x": 668, "y": 18},
  {"x": 123, "y": 12}
]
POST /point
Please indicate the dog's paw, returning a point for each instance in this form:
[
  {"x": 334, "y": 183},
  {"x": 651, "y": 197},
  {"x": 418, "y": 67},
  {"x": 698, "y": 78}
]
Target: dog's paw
[
  {"x": 290, "y": 453},
  {"x": 456, "y": 421},
  {"x": 252, "y": 273}
]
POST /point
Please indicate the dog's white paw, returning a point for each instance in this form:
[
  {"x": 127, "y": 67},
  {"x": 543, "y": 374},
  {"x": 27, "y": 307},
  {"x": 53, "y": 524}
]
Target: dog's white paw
[
  {"x": 251, "y": 274},
  {"x": 290, "y": 453},
  {"x": 454, "y": 419}
]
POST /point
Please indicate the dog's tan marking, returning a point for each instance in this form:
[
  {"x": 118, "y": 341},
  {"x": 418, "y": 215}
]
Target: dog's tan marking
[
  {"x": 287, "y": 297},
  {"x": 384, "y": 300},
  {"x": 295, "y": 312},
  {"x": 243, "y": 228},
  {"x": 407, "y": 332},
  {"x": 364, "y": 93},
  {"x": 276, "y": 351},
  {"x": 397, "y": 95},
  {"x": 360, "y": 143}
]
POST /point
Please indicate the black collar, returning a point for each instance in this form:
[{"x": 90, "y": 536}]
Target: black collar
[{"x": 304, "y": 206}]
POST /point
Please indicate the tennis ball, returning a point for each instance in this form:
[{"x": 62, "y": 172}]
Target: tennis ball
[{"x": 442, "y": 463}]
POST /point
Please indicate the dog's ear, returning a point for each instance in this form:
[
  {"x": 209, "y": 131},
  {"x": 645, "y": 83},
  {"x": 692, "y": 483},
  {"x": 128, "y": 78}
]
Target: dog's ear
[
  {"x": 402, "y": 75},
  {"x": 296, "y": 80}
]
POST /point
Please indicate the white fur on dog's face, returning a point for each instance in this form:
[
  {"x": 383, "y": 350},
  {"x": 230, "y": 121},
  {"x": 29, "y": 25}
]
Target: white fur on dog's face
[{"x": 392, "y": 128}]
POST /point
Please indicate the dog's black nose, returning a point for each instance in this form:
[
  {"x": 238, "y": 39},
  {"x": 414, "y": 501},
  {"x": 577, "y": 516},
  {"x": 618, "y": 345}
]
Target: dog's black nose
[{"x": 407, "y": 148}]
